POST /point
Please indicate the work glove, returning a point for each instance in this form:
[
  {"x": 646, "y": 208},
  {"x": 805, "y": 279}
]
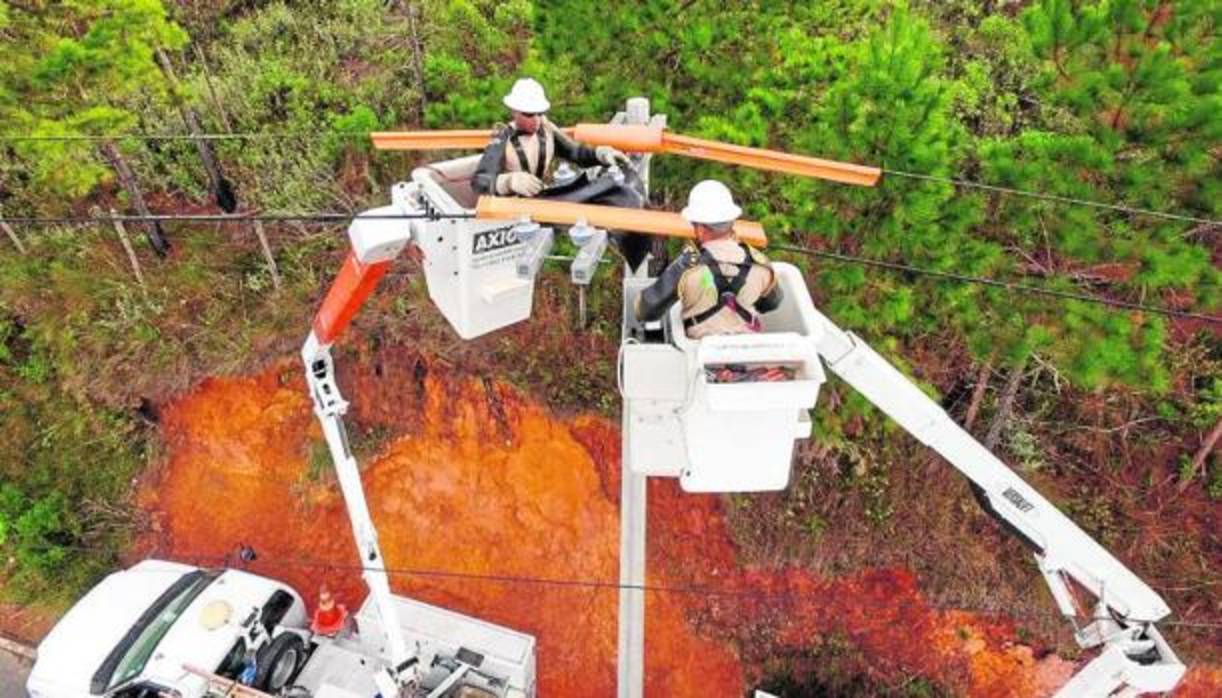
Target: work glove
[
  {"x": 611, "y": 157},
  {"x": 520, "y": 183}
]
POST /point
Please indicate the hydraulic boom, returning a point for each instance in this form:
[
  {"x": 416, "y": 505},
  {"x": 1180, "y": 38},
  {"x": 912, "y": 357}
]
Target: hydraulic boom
[
  {"x": 376, "y": 241},
  {"x": 1134, "y": 658}
]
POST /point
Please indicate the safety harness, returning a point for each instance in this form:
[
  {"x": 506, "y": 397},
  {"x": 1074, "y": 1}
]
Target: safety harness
[
  {"x": 520, "y": 150},
  {"x": 727, "y": 289}
]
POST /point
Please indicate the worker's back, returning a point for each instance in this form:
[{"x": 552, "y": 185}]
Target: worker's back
[{"x": 720, "y": 294}]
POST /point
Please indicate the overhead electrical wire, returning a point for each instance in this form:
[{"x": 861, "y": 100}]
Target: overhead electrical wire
[
  {"x": 684, "y": 588},
  {"x": 831, "y": 256},
  {"x": 998, "y": 283},
  {"x": 955, "y": 181},
  {"x": 1055, "y": 198}
]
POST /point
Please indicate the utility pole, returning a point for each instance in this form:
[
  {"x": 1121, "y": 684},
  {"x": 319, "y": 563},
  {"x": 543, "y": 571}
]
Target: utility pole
[
  {"x": 633, "y": 516},
  {"x": 156, "y": 235},
  {"x": 12, "y": 235},
  {"x": 127, "y": 246},
  {"x": 222, "y": 188}
]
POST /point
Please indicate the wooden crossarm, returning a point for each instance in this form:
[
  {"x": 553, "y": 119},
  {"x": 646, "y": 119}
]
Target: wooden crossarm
[{"x": 610, "y": 217}]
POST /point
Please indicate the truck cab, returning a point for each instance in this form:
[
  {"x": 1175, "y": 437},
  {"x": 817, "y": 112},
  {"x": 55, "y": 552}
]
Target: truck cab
[
  {"x": 163, "y": 629},
  {"x": 132, "y": 634}
]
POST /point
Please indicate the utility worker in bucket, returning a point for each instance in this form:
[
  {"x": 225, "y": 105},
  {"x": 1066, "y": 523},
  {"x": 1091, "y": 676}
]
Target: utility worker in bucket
[
  {"x": 724, "y": 285},
  {"x": 518, "y": 160},
  {"x": 521, "y": 159},
  {"x": 330, "y": 617}
]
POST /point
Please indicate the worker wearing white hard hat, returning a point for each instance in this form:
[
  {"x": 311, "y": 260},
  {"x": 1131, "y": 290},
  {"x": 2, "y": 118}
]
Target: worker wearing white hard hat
[
  {"x": 520, "y": 157},
  {"x": 722, "y": 286},
  {"x": 710, "y": 203},
  {"x": 527, "y": 97}
]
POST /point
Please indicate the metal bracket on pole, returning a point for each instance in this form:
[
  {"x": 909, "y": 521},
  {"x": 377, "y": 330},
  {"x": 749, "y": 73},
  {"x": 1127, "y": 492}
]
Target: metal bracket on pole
[
  {"x": 538, "y": 244},
  {"x": 591, "y": 246}
]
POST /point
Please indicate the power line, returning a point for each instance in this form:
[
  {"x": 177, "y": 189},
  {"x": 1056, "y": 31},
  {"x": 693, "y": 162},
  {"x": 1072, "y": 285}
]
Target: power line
[
  {"x": 1056, "y": 198},
  {"x": 231, "y": 218},
  {"x": 833, "y": 256},
  {"x": 683, "y": 588},
  {"x": 998, "y": 283},
  {"x": 955, "y": 181}
]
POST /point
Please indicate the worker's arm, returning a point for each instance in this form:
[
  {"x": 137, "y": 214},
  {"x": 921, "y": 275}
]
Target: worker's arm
[
  {"x": 574, "y": 151},
  {"x": 772, "y": 297},
  {"x": 484, "y": 179},
  {"x": 654, "y": 301}
]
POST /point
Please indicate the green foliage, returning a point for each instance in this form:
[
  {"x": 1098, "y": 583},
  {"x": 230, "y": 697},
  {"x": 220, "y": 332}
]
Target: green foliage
[
  {"x": 34, "y": 531},
  {"x": 1110, "y": 100},
  {"x": 1017, "y": 100},
  {"x": 325, "y": 68},
  {"x": 1214, "y": 488},
  {"x": 1124, "y": 87},
  {"x": 72, "y": 69},
  {"x": 473, "y": 63},
  {"x": 64, "y": 457}
]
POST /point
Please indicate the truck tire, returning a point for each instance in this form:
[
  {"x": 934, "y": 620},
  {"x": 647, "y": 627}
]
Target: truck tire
[{"x": 278, "y": 662}]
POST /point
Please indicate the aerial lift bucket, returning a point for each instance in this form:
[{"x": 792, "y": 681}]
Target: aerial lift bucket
[
  {"x": 470, "y": 265},
  {"x": 717, "y": 436}
]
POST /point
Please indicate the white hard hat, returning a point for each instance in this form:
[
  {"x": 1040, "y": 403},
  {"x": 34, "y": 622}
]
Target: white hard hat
[
  {"x": 710, "y": 202},
  {"x": 527, "y": 96}
]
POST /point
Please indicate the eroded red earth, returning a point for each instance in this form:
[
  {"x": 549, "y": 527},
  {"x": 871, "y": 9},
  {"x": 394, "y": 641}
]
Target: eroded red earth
[{"x": 475, "y": 479}]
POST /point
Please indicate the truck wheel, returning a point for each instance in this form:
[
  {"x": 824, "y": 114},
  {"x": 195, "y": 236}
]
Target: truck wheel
[{"x": 277, "y": 662}]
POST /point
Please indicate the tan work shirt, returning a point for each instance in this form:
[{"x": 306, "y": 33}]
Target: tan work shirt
[
  {"x": 698, "y": 291},
  {"x": 539, "y": 151},
  {"x": 538, "y": 145}
]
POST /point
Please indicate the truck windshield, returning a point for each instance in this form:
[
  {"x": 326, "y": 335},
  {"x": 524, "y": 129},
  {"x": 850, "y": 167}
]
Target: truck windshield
[{"x": 128, "y": 658}]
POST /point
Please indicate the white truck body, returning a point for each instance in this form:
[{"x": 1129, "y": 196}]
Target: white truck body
[{"x": 70, "y": 656}]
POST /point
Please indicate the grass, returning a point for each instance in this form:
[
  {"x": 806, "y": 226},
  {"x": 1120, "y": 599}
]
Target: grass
[
  {"x": 64, "y": 480},
  {"x": 833, "y": 667}
]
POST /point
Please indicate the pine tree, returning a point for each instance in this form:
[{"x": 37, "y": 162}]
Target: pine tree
[
  {"x": 68, "y": 69},
  {"x": 1130, "y": 99}
]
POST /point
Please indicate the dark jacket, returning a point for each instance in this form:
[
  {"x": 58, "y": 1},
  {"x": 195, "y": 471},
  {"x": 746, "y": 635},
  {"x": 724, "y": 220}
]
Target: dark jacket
[{"x": 506, "y": 154}]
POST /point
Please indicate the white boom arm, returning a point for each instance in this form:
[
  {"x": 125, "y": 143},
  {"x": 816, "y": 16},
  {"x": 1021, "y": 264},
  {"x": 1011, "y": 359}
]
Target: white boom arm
[
  {"x": 1133, "y": 657},
  {"x": 375, "y": 243}
]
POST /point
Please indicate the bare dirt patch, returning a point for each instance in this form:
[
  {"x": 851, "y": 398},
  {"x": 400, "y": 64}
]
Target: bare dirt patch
[{"x": 468, "y": 477}]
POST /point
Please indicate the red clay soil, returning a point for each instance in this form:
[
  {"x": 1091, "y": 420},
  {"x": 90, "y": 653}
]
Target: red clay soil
[
  {"x": 25, "y": 624},
  {"x": 479, "y": 480}
]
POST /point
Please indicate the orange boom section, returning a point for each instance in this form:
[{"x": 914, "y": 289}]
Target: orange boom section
[
  {"x": 353, "y": 285},
  {"x": 610, "y": 217}
]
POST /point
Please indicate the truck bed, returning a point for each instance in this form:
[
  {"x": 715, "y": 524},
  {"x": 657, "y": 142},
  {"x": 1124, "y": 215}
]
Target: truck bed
[{"x": 503, "y": 652}]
